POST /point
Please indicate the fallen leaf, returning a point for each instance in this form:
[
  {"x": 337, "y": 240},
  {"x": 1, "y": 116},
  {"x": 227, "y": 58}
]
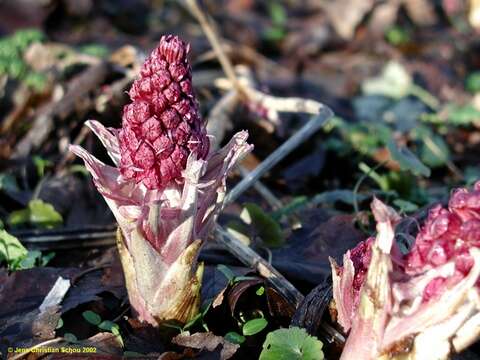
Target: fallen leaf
[
  {"x": 345, "y": 15},
  {"x": 207, "y": 341},
  {"x": 422, "y": 12},
  {"x": 22, "y": 293},
  {"x": 407, "y": 160},
  {"x": 104, "y": 346},
  {"x": 297, "y": 174},
  {"x": 214, "y": 282},
  {"x": 305, "y": 258},
  {"x": 144, "y": 338}
]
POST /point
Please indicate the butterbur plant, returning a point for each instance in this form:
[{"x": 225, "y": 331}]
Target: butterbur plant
[
  {"x": 166, "y": 187},
  {"x": 421, "y": 305}
]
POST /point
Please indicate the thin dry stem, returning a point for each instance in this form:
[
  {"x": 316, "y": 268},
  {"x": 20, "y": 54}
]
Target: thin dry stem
[
  {"x": 285, "y": 104},
  {"x": 214, "y": 40},
  {"x": 250, "y": 258},
  {"x": 264, "y": 191}
]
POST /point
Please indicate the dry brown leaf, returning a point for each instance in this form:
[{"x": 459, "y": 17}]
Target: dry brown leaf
[{"x": 207, "y": 341}]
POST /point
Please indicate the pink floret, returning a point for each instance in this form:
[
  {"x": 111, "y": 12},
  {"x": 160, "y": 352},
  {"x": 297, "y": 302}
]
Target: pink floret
[{"x": 447, "y": 236}]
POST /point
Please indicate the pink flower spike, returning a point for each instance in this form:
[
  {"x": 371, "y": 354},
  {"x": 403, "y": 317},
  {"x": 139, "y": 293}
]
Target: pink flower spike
[
  {"x": 427, "y": 304},
  {"x": 166, "y": 188}
]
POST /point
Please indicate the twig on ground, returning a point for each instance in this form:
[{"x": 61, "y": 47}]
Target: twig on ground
[
  {"x": 244, "y": 253},
  {"x": 244, "y": 85},
  {"x": 249, "y": 257},
  {"x": 77, "y": 277},
  {"x": 262, "y": 63},
  {"x": 43, "y": 125},
  {"x": 273, "y": 105},
  {"x": 285, "y": 104},
  {"x": 269, "y": 196},
  {"x": 298, "y": 138},
  {"x": 68, "y": 155},
  {"x": 67, "y": 239},
  {"x": 22, "y": 100},
  {"x": 213, "y": 38},
  {"x": 219, "y": 119},
  {"x": 56, "y": 294},
  {"x": 113, "y": 92}
]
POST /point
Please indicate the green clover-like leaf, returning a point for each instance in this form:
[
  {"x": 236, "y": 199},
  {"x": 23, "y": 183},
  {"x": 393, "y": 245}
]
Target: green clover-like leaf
[
  {"x": 254, "y": 326},
  {"x": 291, "y": 344}
]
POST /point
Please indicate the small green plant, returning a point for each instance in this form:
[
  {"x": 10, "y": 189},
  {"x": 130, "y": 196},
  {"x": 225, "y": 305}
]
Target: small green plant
[
  {"x": 407, "y": 159},
  {"x": 197, "y": 319},
  {"x": 368, "y": 138},
  {"x": 462, "y": 115},
  {"x": 397, "y": 35},
  {"x": 395, "y": 82},
  {"x": 11, "y": 58},
  {"x": 291, "y": 344},
  {"x": 41, "y": 164},
  {"x": 257, "y": 222},
  {"x": 235, "y": 337},
  {"x": 254, "y": 326},
  {"x": 471, "y": 174},
  {"x": 35, "y": 258},
  {"x": 71, "y": 338},
  {"x": 405, "y": 206},
  {"x": 17, "y": 257},
  {"x": 472, "y": 82},
  {"x": 106, "y": 325},
  {"x": 8, "y": 183},
  {"x": 249, "y": 328},
  {"x": 278, "y": 16},
  {"x": 59, "y": 324},
  {"x": 11, "y": 250},
  {"x": 37, "y": 214},
  {"x": 228, "y": 273},
  {"x": 22, "y": 39}
]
